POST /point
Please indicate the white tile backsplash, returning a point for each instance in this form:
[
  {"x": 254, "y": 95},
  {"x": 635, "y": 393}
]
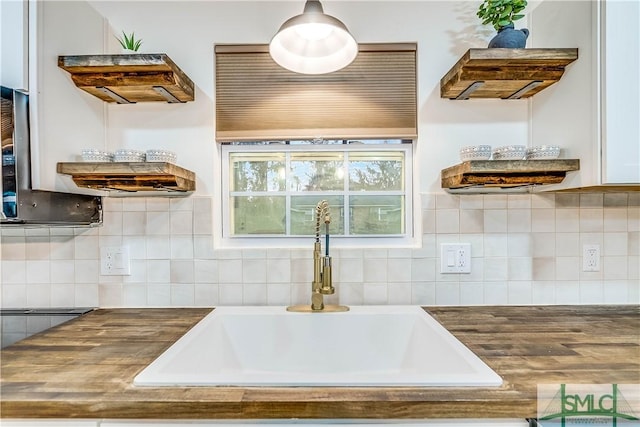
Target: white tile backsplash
[
  {"x": 518, "y": 220},
  {"x": 38, "y": 295},
  {"x": 495, "y": 220},
  {"x": 568, "y": 244},
  {"x": 254, "y": 271},
  {"x": 134, "y": 223},
  {"x": 495, "y": 201},
  {"x": 615, "y": 219},
  {"x": 567, "y": 268},
  {"x": 543, "y": 220},
  {"x": 447, "y": 221},
  {"x": 471, "y": 221},
  {"x": 519, "y": 292},
  {"x": 375, "y": 269},
  {"x": 39, "y": 247},
  {"x": 181, "y": 222},
  {"x": 87, "y": 247},
  {"x": 181, "y": 246},
  {"x": 423, "y": 293},
  {"x": 399, "y": 293},
  {"x": 496, "y": 245},
  {"x": 526, "y": 249},
  {"x": 38, "y": 271},
  {"x": 633, "y": 219},
  {"x": 472, "y": 201},
  {"x": 568, "y": 220},
  {"x": 62, "y": 271},
  {"x": 591, "y": 219},
  {"x": 158, "y": 223},
  {"x": 399, "y": 269},
  {"x": 615, "y": 243}
]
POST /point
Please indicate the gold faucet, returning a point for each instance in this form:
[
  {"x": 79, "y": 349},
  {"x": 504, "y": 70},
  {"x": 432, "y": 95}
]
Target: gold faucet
[{"x": 322, "y": 283}]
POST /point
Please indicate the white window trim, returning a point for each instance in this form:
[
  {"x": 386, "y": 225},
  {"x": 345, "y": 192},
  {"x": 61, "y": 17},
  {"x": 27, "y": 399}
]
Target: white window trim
[{"x": 412, "y": 238}]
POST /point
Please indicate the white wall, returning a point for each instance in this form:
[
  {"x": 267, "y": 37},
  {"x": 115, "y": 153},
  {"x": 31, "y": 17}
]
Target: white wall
[
  {"x": 64, "y": 119},
  {"x": 592, "y": 113},
  {"x": 13, "y": 44},
  {"x": 621, "y": 97},
  {"x": 565, "y": 114}
]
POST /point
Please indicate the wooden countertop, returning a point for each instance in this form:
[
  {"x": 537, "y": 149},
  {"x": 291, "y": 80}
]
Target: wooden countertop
[{"x": 85, "y": 368}]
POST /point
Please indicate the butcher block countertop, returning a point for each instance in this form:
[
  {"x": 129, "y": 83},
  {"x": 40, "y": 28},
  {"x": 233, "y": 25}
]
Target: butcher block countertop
[{"x": 85, "y": 368}]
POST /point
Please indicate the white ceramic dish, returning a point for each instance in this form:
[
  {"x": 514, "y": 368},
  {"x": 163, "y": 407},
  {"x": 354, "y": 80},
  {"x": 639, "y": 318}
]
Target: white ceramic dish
[
  {"x": 129, "y": 155},
  {"x": 161, "y": 156},
  {"x": 475, "y": 152},
  {"x": 510, "y": 152},
  {"x": 95, "y": 155},
  {"x": 366, "y": 346},
  {"x": 543, "y": 152}
]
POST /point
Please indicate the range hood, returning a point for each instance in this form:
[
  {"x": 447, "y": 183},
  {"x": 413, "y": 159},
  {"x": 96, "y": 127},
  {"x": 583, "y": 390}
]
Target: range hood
[{"x": 22, "y": 205}]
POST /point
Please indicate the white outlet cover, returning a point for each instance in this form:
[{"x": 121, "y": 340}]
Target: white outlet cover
[
  {"x": 455, "y": 258},
  {"x": 591, "y": 258},
  {"x": 115, "y": 261}
]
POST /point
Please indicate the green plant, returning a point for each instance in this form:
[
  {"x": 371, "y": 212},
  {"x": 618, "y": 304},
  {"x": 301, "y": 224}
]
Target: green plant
[
  {"x": 129, "y": 42},
  {"x": 501, "y": 13}
]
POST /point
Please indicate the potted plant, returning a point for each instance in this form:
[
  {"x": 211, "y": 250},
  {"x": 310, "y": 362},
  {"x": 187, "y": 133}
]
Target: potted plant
[
  {"x": 129, "y": 43},
  {"x": 501, "y": 14}
]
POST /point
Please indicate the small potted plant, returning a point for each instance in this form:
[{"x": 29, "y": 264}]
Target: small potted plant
[
  {"x": 501, "y": 14},
  {"x": 129, "y": 43}
]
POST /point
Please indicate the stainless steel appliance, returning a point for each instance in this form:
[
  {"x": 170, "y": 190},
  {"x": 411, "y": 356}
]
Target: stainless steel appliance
[
  {"x": 19, "y": 323},
  {"x": 22, "y": 205}
]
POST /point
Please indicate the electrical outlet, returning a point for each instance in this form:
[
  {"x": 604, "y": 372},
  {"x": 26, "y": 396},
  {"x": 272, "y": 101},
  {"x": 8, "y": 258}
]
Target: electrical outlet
[
  {"x": 114, "y": 261},
  {"x": 455, "y": 258},
  {"x": 591, "y": 258}
]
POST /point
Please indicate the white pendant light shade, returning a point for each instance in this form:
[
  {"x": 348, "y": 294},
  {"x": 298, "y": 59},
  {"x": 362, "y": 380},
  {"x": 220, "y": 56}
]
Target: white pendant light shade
[{"x": 313, "y": 43}]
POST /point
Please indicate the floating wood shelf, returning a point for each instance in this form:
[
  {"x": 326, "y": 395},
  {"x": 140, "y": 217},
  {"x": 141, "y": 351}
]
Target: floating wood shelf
[
  {"x": 130, "y": 177},
  {"x": 507, "y": 173},
  {"x": 127, "y": 79},
  {"x": 505, "y": 73}
]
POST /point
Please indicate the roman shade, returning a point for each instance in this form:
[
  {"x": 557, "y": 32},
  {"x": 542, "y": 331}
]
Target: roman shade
[{"x": 374, "y": 97}]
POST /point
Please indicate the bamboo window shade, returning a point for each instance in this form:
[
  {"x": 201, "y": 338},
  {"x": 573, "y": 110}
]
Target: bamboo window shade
[{"x": 374, "y": 97}]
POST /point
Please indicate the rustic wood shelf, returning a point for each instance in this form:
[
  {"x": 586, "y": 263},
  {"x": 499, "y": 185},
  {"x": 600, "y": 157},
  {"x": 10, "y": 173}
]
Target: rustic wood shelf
[
  {"x": 127, "y": 79},
  {"x": 505, "y": 73},
  {"x": 507, "y": 173},
  {"x": 130, "y": 177}
]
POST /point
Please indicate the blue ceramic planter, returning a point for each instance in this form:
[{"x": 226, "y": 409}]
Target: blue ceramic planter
[{"x": 507, "y": 37}]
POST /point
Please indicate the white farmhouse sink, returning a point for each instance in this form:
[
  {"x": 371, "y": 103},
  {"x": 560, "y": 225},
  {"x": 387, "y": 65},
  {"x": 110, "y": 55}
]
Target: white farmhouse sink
[{"x": 366, "y": 346}]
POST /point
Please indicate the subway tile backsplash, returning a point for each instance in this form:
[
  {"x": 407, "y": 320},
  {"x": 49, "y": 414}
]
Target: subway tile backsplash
[{"x": 526, "y": 249}]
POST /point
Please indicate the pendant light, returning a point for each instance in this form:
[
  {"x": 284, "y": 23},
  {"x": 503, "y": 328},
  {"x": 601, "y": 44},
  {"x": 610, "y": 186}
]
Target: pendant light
[{"x": 313, "y": 42}]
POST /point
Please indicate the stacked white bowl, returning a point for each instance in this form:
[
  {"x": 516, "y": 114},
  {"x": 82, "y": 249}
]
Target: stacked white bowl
[
  {"x": 95, "y": 155},
  {"x": 475, "y": 152},
  {"x": 129, "y": 155},
  {"x": 510, "y": 152},
  {"x": 543, "y": 152},
  {"x": 160, "y": 155}
]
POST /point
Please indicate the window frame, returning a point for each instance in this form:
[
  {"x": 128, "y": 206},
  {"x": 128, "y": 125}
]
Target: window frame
[{"x": 408, "y": 239}]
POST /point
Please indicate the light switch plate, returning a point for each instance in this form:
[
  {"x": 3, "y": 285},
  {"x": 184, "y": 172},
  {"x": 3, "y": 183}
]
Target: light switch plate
[{"x": 455, "y": 258}]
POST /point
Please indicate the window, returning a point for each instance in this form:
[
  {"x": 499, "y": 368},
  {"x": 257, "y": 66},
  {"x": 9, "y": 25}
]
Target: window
[{"x": 272, "y": 189}]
